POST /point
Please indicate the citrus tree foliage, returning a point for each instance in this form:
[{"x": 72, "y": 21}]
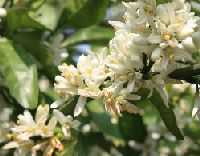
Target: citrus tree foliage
[{"x": 99, "y": 77}]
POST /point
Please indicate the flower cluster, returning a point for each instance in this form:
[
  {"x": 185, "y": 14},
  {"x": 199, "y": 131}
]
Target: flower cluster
[
  {"x": 34, "y": 135},
  {"x": 149, "y": 44}
]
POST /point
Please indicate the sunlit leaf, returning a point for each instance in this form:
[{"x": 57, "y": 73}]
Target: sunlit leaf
[
  {"x": 48, "y": 14},
  {"x": 19, "y": 78},
  {"x": 94, "y": 33},
  {"x": 18, "y": 18},
  {"x": 83, "y": 13}
]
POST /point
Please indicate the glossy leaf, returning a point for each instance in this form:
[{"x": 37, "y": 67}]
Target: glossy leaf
[
  {"x": 48, "y": 14},
  {"x": 35, "y": 4},
  {"x": 188, "y": 73},
  {"x": 19, "y": 78},
  {"x": 166, "y": 114},
  {"x": 32, "y": 42},
  {"x": 103, "y": 120},
  {"x": 18, "y": 18},
  {"x": 132, "y": 127},
  {"x": 83, "y": 13},
  {"x": 196, "y": 79},
  {"x": 94, "y": 33}
]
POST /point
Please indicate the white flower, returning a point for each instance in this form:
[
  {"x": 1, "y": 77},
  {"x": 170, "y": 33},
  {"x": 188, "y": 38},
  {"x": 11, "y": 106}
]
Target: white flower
[
  {"x": 175, "y": 24},
  {"x": 167, "y": 28},
  {"x": 22, "y": 147},
  {"x": 27, "y": 127},
  {"x": 80, "y": 106},
  {"x": 150, "y": 43},
  {"x": 157, "y": 83},
  {"x": 93, "y": 71},
  {"x": 48, "y": 147},
  {"x": 124, "y": 57},
  {"x": 139, "y": 15},
  {"x": 66, "y": 122},
  {"x": 92, "y": 68},
  {"x": 84, "y": 80},
  {"x": 116, "y": 99},
  {"x": 70, "y": 80}
]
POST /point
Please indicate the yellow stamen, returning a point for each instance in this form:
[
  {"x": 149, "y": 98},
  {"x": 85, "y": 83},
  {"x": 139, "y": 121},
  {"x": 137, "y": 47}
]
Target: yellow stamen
[{"x": 167, "y": 36}]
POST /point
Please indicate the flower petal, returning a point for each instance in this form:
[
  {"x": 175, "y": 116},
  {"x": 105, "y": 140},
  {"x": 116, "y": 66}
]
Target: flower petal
[
  {"x": 80, "y": 105},
  {"x": 42, "y": 114}
]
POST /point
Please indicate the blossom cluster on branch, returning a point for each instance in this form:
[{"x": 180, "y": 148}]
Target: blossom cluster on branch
[
  {"x": 35, "y": 135},
  {"x": 150, "y": 43}
]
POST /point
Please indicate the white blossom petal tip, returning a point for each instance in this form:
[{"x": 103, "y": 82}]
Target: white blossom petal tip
[
  {"x": 80, "y": 106},
  {"x": 195, "y": 112}
]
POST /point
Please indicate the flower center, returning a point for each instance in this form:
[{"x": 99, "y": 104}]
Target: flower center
[{"x": 167, "y": 36}]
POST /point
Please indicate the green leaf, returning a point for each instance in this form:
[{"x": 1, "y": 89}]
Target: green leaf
[
  {"x": 36, "y": 3},
  {"x": 132, "y": 127},
  {"x": 83, "y": 13},
  {"x": 32, "y": 42},
  {"x": 18, "y": 18},
  {"x": 81, "y": 148},
  {"x": 195, "y": 7},
  {"x": 94, "y": 33},
  {"x": 48, "y": 14},
  {"x": 196, "y": 79},
  {"x": 77, "y": 146},
  {"x": 166, "y": 114},
  {"x": 103, "y": 120},
  {"x": 187, "y": 73},
  {"x": 19, "y": 78},
  {"x": 192, "y": 130},
  {"x": 69, "y": 148},
  {"x": 162, "y": 1}
]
